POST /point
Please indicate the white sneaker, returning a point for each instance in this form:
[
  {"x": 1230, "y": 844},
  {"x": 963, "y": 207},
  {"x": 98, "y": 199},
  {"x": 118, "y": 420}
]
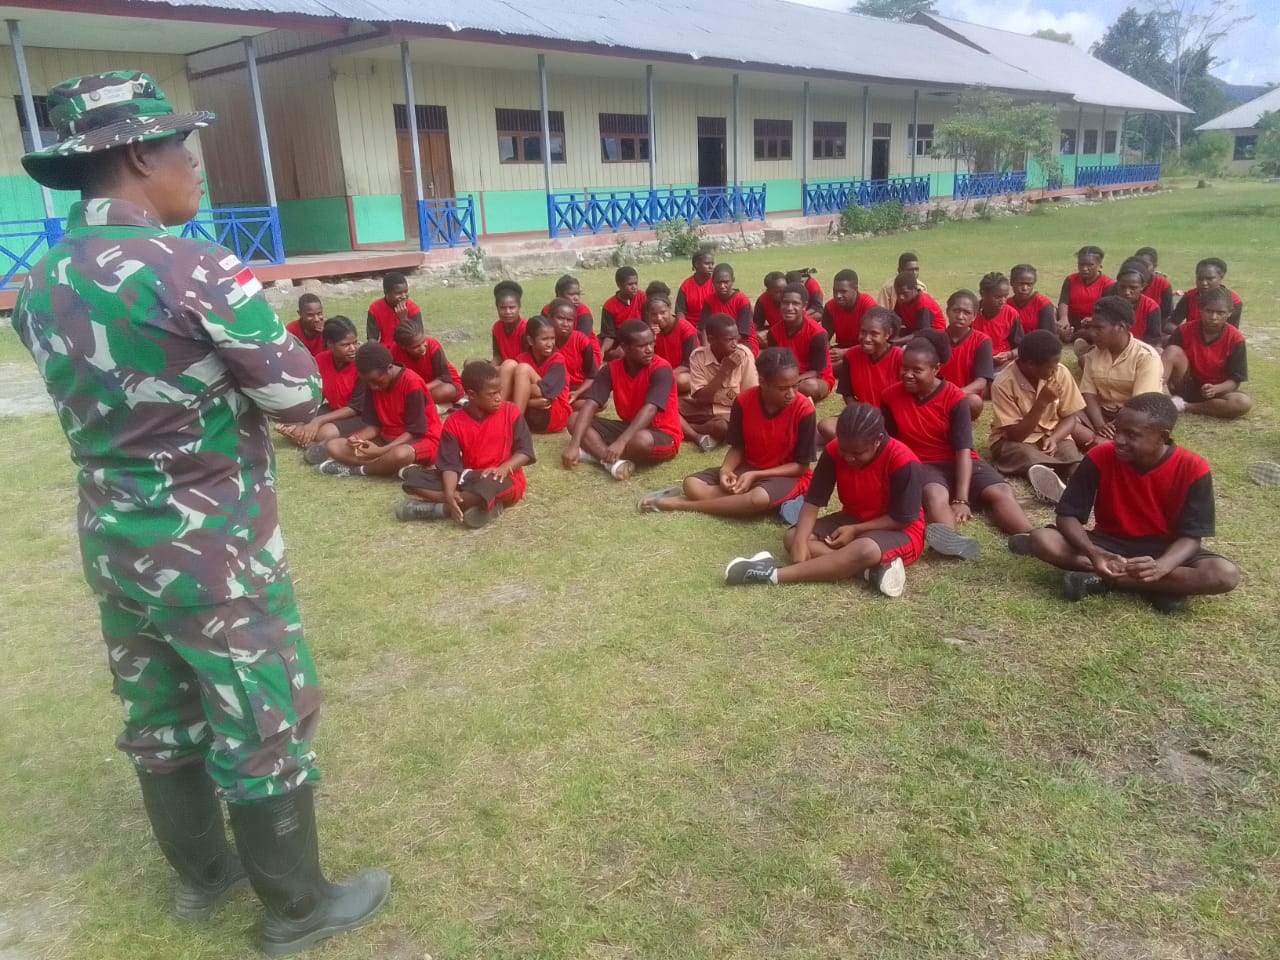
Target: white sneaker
[
  {"x": 1179, "y": 404},
  {"x": 620, "y": 469},
  {"x": 890, "y": 580},
  {"x": 1046, "y": 482},
  {"x": 1264, "y": 473}
]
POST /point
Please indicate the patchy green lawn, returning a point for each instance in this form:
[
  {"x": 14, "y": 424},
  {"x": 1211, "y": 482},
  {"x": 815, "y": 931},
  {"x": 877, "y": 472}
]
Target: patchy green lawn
[{"x": 566, "y": 739}]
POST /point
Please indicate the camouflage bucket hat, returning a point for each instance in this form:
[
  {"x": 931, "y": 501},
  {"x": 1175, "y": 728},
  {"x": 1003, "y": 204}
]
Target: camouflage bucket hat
[{"x": 99, "y": 112}]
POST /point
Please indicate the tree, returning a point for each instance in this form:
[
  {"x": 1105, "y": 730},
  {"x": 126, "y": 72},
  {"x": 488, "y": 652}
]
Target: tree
[
  {"x": 1267, "y": 151},
  {"x": 1208, "y": 153},
  {"x": 1134, "y": 44},
  {"x": 893, "y": 9},
  {"x": 988, "y": 131},
  {"x": 1047, "y": 33}
]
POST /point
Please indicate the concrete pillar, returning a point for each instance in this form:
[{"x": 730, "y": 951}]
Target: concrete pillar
[
  {"x": 28, "y": 103},
  {"x": 251, "y": 61}
]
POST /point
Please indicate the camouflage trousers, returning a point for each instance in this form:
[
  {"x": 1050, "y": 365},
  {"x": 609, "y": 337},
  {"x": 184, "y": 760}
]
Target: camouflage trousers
[{"x": 231, "y": 684}]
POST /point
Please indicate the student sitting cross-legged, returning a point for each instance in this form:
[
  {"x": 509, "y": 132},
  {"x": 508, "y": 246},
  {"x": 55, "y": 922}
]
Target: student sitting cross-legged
[
  {"x": 484, "y": 448},
  {"x": 393, "y": 309},
  {"x": 880, "y": 526},
  {"x": 771, "y": 436},
  {"x": 718, "y": 373},
  {"x": 1205, "y": 362},
  {"x": 644, "y": 396},
  {"x": 798, "y": 332},
  {"x": 536, "y": 381},
  {"x": 580, "y": 353},
  {"x": 1152, "y": 503},
  {"x": 338, "y": 382},
  {"x": 970, "y": 365},
  {"x": 401, "y": 423},
  {"x": 424, "y": 355},
  {"x": 1118, "y": 367}
]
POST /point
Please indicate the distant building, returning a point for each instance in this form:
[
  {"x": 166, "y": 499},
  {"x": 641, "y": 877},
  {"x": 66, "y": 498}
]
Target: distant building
[{"x": 1242, "y": 123}]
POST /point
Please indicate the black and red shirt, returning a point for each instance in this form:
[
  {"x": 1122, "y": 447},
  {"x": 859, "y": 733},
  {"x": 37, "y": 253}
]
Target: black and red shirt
[
  {"x": 690, "y": 298},
  {"x": 1005, "y": 328},
  {"x": 677, "y": 344},
  {"x": 404, "y": 408},
  {"x": 845, "y": 326},
  {"x": 920, "y": 314},
  {"x": 1212, "y": 362},
  {"x": 1173, "y": 499},
  {"x": 767, "y": 312},
  {"x": 1148, "y": 323},
  {"x": 865, "y": 379},
  {"x": 581, "y": 356},
  {"x": 814, "y": 288},
  {"x": 1161, "y": 291},
  {"x": 583, "y": 322},
  {"x": 889, "y": 485},
  {"x": 740, "y": 308},
  {"x": 554, "y": 386},
  {"x": 336, "y": 385},
  {"x": 934, "y": 427},
  {"x": 1188, "y": 307},
  {"x": 655, "y": 384},
  {"x": 382, "y": 321},
  {"x": 314, "y": 345},
  {"x": 768, "y": 441},
  {"x": 971, "y": 358},
  {"x": 615, "y": 313},
  {"x": 809, "y": 345},
  {"x": 1080, "y": 296},
  {"x": 470, "y": 442},
  {"x": 431, "y": 366},
  {"x": 1037, "y": 313},
  {"x": 508, "y": 344}
]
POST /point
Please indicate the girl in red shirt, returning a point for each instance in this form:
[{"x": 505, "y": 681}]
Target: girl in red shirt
[
  {"x": 568, "y": 288},
  {"x": 425, "y": 357},
  {"x": 970, "y": 366},
  {"x": 1035, "y": 310},
  {"x": 1080, "y": 292},
  {"x": 581, "y": 354},
  {"x": 767, "y": 311},
  {"x": 1205, "y": 362},
  {"x": 880, "y": 527},
  {"x": 842, "y": 316},
  {"x": 508, "y": 329},
  {"x": 1210, "y": 273},
  {"x": 536, "y": 381},
  {"x": 916, "y": 310},
  {"x": 338, "y": 381},
  {"x": 727, "y": 299},
  {"x": 695, "y": 289},
  {"x": 1148, "y": 323},
  {"x": 673, "y": 340},
  {"x": 931, "y": 416},
  {"x": 804, "y": 337},
  {"x": 997, "y": 319},
  {"x": 771, "y": 437}
]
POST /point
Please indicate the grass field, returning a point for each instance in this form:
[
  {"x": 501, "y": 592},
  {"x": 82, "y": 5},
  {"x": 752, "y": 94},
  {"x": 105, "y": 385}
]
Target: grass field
[{"x": 566, "y": 739}]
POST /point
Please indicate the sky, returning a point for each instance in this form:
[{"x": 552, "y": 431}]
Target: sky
[{"x": 1250, "y": 55}]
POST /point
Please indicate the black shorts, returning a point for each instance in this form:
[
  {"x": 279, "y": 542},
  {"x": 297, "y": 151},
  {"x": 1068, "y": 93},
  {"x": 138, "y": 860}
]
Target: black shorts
[
  {"x": 892, "y": 543},
  {"x": 1189, "y": 390},
  {"x": 984, "y": 475},
  {"x": 779, "y": 489},
  {"x": 1142, "y": 547},
  {"x": 473, "y": 481},
  {"x": 538, "y": 420},
  {"x": 611, "y": 430}
]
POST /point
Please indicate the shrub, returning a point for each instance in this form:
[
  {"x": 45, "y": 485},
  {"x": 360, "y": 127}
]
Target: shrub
[
  {"x": 680, "y": 238},
  {"x": 473, "y": 265},
  {"x": 882, "y": 218},
  {"x": 1207, "y": 154}
]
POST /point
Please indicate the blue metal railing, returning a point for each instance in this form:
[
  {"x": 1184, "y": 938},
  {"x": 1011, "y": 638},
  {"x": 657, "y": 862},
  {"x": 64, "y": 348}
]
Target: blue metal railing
[
  {"x": 974, "y": 186},
  {"x": 252, "y": 233},
  {"x": 446, "y": 222},
  {"x": 598, "y": 211},
  {"x": 832, "y": 196},
  {"x": 1117, "y": 174},
  {"x": 22, "y": 244}
]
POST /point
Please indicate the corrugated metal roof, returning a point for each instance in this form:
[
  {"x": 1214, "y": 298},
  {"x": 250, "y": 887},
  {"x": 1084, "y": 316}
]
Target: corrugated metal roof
[
  {"x": 1246, "y": 115},
  {"x": 342, "y": 9},
  {"x": 1063, "y": 65}
]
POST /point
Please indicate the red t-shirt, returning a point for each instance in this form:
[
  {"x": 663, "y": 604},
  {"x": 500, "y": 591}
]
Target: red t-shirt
[
  {"x": 432, "y": 365},
  {"x": 677, "y": 344},
  {"x": 1080, "y": 297},
  {"x": 1144, "y": 326},
  {"x": 508, "y": 344},
  {"x": 315, "y": 346},
  {"x": 406, "y": 408},
  {"x": 1034, "y": 315},
  {"x": 890, "y": 484},
  {"x": 654, "y": 384},
  {"x": 815, "y": 293},
  {"x": 771, "y": 441},
  {"x": 809, "y": 345},
  {"x": 865, "y": 379},
  {"x": 615, "y": 313},
  {"x": 1192, "y": 299},
  {"x": 767, "y": 312},
  {"x": 581, "y": 356},
  {"x": 1134, "y": 505},
  {"x": 554, "y": 385},
  {"x": 1157, "y": 289},
  {"x": 1211, "y": 362},
  {"x": 336, "y": 385},
  {"x": 484, "y": 444},
  {"x": 690, "y": 298},
  {"x": 845, "y": 326},
  {"x": 970, "y": 358},
  {"x": 921, "y": 312},
  {"x": 1005, "y": 329},
  {"x": 583, "y": 322},
  {"x": 934, "y": 428},
  {"x": 382, "y": 316},
  {"x": 739, "y": 307}
]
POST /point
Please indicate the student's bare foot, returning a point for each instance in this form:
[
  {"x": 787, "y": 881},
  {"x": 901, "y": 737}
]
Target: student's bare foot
[
  {"x": 1046, "y": 482},
  {"x": 1078, "y": 584},
  {"x": 947, "y": 542},
  {"x": 1264, "y": 473},
  {"x": 749, "y": 570},
  {"x": 890, "y": 579}
]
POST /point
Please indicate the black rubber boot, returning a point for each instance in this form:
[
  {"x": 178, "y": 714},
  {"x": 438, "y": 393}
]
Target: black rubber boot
[
  {"x": 186, "y": 818},
  {"x": 280, "y": 850}
]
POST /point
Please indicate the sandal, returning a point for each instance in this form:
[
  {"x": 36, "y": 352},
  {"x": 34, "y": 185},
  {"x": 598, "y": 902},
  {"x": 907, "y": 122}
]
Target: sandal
[{"x": 647, "y": 503}]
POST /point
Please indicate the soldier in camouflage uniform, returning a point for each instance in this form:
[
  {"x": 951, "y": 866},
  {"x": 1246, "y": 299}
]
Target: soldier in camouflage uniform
[{"x": 164, "y": 363}]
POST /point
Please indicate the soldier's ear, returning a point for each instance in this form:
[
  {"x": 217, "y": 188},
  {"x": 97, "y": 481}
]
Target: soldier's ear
[{"x": 145, "y": 159}]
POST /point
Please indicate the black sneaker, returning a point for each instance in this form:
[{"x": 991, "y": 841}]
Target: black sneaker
[
  {"x": 1166, "y": 603},
  {"x": 419, "y": 510},
  {"x": 1079, "y": 584},
  {"x": 747, "y": 570},
  {"x": 1020, "y": 544},
  {"x": 947, "y": 542},
  {"x": 473, "y": 518},
  {"x": 316, "y": 453}
]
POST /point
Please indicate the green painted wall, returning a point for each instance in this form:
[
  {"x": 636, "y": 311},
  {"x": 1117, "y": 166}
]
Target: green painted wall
[
  {"x": 20, "y": 200},
  {"x": 378, "y": 219},
  {"x": 315, "y": 226},
  {"x": 514, "y": 211},
  {"x": 782, "y": 196},
  {"x": 942, "y": 185}
]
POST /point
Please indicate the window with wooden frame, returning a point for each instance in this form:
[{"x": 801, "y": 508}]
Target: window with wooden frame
[
  {"x": 829, "y": 139},
  {"x": 1109, "y": 138},
  {"x": 624, "y": 137},
  {"x": 48, "y": 135},
  {"x": 429, "y": 117},
  {"x": 520, "y": 135},
  {"x": 1067, "y": 142},
  {"x": 1091, "y": 141},
  {"x": 773, "y": 139},
  {"x": 919, "y": 139}
]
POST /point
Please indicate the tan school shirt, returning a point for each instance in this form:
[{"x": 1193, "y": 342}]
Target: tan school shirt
[
  {"x": 889, "y": 296},
  {"x": 1115, "y": 380},
  {"x": 1013, "y": 396},
  {"x": 703, "y": 367}
]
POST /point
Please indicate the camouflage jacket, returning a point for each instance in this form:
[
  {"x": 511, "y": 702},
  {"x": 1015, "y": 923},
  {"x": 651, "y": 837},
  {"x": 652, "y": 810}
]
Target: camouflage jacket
[{"x": 163, "y": 361}]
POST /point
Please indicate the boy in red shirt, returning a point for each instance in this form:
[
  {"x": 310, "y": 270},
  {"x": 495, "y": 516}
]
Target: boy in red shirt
[
  {"x": 1035, "y": 310},
  {"x": 393, "y": 309},
  {"x": 626, "y": 304},
  {"x": 879, "y": 528},
  {"x": 771, "y": 437},
  {"x": 842, "y": 316},
  {"x": 309, "y": 327},
  {"x": 423, "y": 355},
  {"x": 508, "y": 329},
  {"x": 401, "y": 423},
  {"x": 695, "y": 289},
  {"x": 805, "y": 338},
  {"x": 338, "y": 381},
  {"x": 916, "y": 310},
  {"x": 1152, "y": 503},
  {"x": 732, "y": 302},
  {"x": 970, "y": 366},
  {"x": 644, "y": 396},
  {"x": 812, "y": 289},
  {"x": 479, "y": 469},
  {"x": 537, "y": 381},
  {"x": 1205, "y": 362}
]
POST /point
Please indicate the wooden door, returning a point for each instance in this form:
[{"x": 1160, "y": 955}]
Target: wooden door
[{"x": 437, "y": 172}]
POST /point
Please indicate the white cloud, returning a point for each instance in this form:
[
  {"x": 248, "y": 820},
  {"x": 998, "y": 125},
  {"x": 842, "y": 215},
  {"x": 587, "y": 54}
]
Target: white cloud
[{"x": 1023, "y": 16}]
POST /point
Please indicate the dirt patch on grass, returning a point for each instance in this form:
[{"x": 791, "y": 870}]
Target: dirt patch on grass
[{"x": 1190, "y": 767}]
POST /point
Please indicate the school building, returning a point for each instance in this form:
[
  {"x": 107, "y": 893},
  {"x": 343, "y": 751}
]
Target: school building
[
  {"x": 365, "y": 125},
  {"x": 1242, "y": 123}
]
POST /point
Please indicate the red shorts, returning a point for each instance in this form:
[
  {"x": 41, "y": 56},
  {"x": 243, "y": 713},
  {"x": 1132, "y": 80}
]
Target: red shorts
[{"x": 906, "y": 544}]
